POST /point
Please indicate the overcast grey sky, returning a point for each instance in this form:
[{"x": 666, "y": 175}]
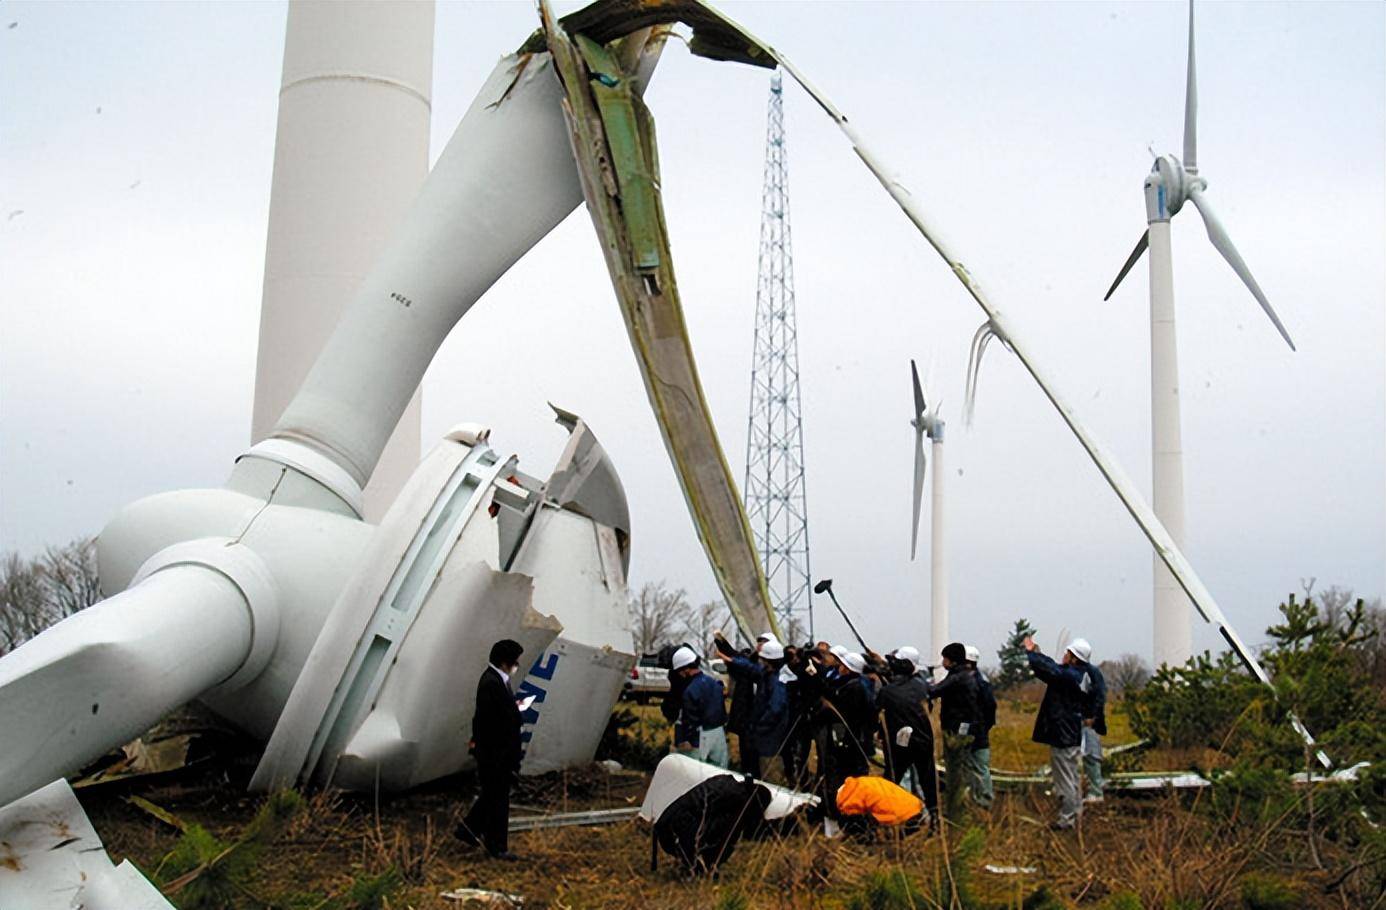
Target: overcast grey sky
[{"x": 136, "y": 142}]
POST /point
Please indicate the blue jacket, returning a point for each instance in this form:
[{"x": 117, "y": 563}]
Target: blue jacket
[
  {"x": 703, "y": 709},
  {"x": 768, "y": 723},
  {"x": 1059, "y": 722}
]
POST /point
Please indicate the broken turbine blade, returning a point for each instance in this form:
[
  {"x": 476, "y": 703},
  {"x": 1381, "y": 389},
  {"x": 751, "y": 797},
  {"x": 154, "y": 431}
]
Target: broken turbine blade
[
  {"x": 1218, "y": 235},
  {"x": 920, "y": 465},
  {"x": 980, "y": 340},
  {"x": 1191, "y": 105},
  {"x": 1130, "y": 261}
]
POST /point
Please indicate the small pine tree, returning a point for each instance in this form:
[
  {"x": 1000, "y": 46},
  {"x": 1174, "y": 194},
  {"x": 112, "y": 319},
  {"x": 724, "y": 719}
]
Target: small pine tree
[{"x": 1015, "y": 669}]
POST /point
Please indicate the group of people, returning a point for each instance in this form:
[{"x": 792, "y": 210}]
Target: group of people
[
  {"x": 827, "y": 703},
  {"x": 835, "y": 705}
]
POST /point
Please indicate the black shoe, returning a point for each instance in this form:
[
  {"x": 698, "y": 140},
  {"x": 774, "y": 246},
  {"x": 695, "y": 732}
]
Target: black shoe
[
  {"x": 465, "y": 835},
  {"x": 505, "y": 857}
]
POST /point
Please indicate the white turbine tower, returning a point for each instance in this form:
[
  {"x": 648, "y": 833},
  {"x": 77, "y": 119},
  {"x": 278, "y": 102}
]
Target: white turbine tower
[
  {"x": 927, "y": 421},
  {"x": 1170, "y": 184}
]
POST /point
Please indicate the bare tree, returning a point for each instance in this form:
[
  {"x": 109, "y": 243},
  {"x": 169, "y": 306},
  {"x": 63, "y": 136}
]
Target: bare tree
[
  {"x": 21, "y": 602},
  {"x": 702, "y": 621},
  {"x": 1125, "y": 673},
  {"x": 657, "y": 615},
  {"x": 36, "y": 593},
  {"x": 70, "y": 577}
]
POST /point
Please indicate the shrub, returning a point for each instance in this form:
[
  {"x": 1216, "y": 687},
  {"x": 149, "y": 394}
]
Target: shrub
[
  {"x": 370, "y": 892},
  {"x": 622, "y": 741},
  {"x": 1044, "y": 899},
  {"x": 1123, "y": 900},
  {"x": 732, "y": 900},
  {"x": 887, "y": 891},
  {"x": 210, "y": 874},
  {"x": 1261, "y": 891}
]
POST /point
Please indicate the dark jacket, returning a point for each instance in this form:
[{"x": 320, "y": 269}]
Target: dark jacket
[
  {"x": 742, "y": 692},
  {"x": 1059, "y": 722},
  {"x": 902, "y": 705},
  {"x": 703, "y": 708},
  {"x": 1096, "y": 708},
  {"x": 496, "y": 723},
  {"x": 986, "y": 702},
  {"x": 958, "y": 692},
  {"x": 768, "y": 720},
  {"x": 848, "y": 697}
]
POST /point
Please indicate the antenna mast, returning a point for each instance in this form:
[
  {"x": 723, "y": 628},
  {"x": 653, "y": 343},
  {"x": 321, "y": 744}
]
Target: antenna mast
[{"x": 774, "y": 489}]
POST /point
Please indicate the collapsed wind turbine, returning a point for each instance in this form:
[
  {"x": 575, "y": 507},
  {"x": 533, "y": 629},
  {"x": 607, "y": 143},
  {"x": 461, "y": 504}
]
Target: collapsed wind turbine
[
  {"x": 927, "y": 421},
  {"x": 1169, "y": 185}
]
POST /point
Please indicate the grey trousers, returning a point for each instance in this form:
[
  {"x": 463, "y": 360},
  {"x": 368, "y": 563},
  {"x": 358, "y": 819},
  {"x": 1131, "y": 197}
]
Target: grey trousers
[
  {"x": 979, "y": 776},
  {"x": 712, "y": 747},
  {"x": 1092, "y": 761},
  {"x": 1063, "y": 763}
]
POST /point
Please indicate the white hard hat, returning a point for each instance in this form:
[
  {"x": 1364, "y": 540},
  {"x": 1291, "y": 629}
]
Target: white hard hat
[
  {"x": 973, "y": 655},
  {"x": 772, "y": 650},
  {"x": 854, "y": 661},
  {"x": 766, "y": 636},
  {"x": 1080, "y": 649},
  {"x": 906, "y": 653},
  {"x": 838, "y": 651},
  {"x": 683, "y": 657}
]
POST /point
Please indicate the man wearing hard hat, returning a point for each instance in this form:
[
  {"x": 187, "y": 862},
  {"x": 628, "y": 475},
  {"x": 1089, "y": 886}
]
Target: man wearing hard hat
[
  {"x": 701, "y": 724},
  {"x": 768, "y": 722},
  {"x": 1059, "y": 723}
]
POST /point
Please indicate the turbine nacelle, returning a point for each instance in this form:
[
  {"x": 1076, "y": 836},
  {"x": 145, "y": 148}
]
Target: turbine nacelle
[{"x": 1168, "y": 186}]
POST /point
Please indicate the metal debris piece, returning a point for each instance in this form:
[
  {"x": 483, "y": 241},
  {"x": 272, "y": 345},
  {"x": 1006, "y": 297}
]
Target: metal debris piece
[
  {"x": 480, "y": 897},
  {"x": 1010, "y": 870},
  {"x": 573, "y": 819},
  {"x": 141, "y": 757},
  {"x": 51, "y": 857}
]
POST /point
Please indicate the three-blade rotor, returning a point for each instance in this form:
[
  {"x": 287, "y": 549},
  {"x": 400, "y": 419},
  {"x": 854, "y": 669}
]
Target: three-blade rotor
[{"x": 1173, "y": 182}]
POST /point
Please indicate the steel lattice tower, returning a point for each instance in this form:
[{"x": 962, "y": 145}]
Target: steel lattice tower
[{"x": 775, "y": 498}]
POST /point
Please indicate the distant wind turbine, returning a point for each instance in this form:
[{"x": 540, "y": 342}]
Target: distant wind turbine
[
  {"x": 1169, "y": 184},
  {"x": 928, "y": 422}
]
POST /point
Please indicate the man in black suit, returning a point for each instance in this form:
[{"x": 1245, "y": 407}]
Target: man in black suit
[{"x": 496, "y": 746}]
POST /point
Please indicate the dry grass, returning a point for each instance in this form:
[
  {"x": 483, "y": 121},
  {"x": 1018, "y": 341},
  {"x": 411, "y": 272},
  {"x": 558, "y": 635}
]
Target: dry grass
[{"x": 1162, "y": 849}]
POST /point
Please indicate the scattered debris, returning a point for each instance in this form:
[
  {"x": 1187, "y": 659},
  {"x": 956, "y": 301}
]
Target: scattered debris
[
  {"x": 140, "y": 758},
  {"x": 163, "y": 815},
  {"x": 572, "y": 819},
  {"x": 47, "y": 836},
  {"x": 1010, "y": 870},
  {"x": 479, "y": 897}
]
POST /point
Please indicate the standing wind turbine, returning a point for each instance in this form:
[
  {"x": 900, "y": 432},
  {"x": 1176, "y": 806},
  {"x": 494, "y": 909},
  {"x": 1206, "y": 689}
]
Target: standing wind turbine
[
  {"x": 1169, "y": 184},
  {"x": 927, "y": 421}
]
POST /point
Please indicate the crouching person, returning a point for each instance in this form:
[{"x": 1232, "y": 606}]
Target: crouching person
[
  {"x": 867, "y": 803},
  {"x": 701, "y": 725}
]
